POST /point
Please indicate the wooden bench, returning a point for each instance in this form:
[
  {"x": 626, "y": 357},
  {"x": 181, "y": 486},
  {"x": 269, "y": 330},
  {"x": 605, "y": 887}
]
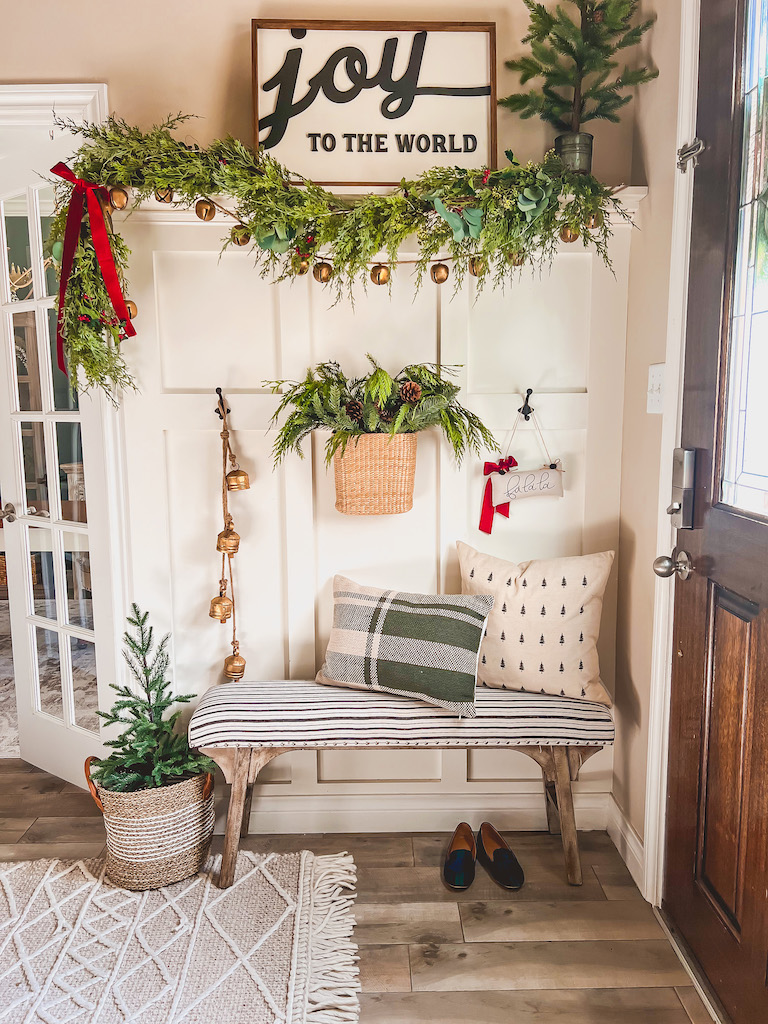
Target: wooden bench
[{"x": 243, "y": 726}]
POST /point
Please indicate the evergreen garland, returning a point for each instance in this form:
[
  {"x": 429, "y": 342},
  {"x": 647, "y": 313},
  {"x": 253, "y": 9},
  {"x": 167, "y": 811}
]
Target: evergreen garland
[
  {"x": 504, "y": 218},
  {"x": 149, "y": 752},
  {"x": 416, "y": 398},
  {"x": 577, "y": 56}
]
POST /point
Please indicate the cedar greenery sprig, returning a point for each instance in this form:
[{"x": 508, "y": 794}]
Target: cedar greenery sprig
[
  {"x": 452, "y": 213},
  {"x": 379, "y": 403},
  {"x": 574, "y": 57},
  {"x": 149, "y": 752}
]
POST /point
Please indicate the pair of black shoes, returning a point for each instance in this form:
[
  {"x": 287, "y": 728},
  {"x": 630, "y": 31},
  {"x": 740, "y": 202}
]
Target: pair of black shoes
[{"x": 492, "y": 852}]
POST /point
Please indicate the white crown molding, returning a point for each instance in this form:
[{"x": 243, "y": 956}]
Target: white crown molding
[{"x": 33, "y": 105}]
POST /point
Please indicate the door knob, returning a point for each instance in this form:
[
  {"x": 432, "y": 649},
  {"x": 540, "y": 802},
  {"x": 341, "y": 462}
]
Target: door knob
[
  {"x": 8, "y": 512},
  {"x": 679, "y": 562}
]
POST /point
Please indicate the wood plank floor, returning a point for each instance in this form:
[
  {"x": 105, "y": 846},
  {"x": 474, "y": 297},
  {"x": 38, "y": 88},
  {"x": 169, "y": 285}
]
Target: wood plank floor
[{"x": 593, "y": 954}]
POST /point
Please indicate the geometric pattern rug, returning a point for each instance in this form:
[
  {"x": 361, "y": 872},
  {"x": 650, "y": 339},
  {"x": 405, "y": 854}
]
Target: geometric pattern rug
[{"x": 274, "y": 947}]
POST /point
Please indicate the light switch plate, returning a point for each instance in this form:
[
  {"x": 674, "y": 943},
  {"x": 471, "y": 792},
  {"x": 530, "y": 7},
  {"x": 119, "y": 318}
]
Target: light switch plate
[{"x": 655, "y": 401}]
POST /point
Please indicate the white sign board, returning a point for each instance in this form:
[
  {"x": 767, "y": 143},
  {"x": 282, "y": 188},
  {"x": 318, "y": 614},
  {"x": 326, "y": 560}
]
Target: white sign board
[{"x": 371, "y": 103}]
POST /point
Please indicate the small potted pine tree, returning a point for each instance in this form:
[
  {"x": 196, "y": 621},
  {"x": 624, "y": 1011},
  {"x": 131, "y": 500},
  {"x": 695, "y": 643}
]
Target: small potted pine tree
[
  {"x": 156, "y": 794},
  {"x": 574, "y": 58}
]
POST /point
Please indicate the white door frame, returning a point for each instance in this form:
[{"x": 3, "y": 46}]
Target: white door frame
[
  {"x": 31, "y": 106},
  {"x": 661, "y": 668}
]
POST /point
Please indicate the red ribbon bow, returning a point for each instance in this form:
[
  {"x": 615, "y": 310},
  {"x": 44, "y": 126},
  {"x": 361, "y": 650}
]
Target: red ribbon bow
[
  {"x": 86, "y": 192},
  {"x": 486, "y": 515}
]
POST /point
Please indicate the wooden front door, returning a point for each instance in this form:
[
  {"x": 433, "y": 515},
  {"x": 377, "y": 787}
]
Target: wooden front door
[{"x": 716, "y": 878}]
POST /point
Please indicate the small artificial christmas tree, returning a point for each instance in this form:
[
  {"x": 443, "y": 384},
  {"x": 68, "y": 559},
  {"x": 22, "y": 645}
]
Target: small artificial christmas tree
[
  {"x": 149, "y": 752},
  {"x": 575, "y": 59}
]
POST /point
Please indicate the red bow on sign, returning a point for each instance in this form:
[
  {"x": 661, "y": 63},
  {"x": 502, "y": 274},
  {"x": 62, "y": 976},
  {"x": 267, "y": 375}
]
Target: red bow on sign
[
  {"x": 486, "y": 516},
  {"x": 86, "y": 192}
]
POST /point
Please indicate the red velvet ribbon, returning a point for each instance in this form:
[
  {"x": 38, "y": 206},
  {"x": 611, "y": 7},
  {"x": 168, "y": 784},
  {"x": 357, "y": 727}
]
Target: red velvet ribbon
[
  {"x": 488, "y": 510},
  {"x": 87, "y": 193}
]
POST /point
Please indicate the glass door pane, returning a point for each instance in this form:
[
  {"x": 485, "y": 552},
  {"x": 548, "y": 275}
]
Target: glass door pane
[
  {"x": 69, "y": 447},
  {"x": 27, "y": 370},
  {"x": 46, "y": 200},
  {"x": 744, "y": 470},
  {"x": 35, "y": 466},
  {"x": 19, "y": 256}
]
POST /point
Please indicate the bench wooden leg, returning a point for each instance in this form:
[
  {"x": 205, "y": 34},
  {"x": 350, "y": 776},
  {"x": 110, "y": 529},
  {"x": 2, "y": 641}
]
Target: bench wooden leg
[
  {"x": 550, "y": 799},
  {"x": 564, "y": 795},
  {"x": 241, "y": 766},
  {"x": 237, "y": 802},
  {"x": 244, "y": 825}
]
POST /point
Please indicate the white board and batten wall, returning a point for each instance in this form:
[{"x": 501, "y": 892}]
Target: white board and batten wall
[{"x": 208, "y": 320}]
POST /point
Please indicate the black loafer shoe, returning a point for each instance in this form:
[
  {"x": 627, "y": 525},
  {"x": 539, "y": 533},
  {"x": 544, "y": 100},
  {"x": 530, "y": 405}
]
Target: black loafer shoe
[
  {"x": 497, "y": 858},
  {"x": 459, "y": 866}
]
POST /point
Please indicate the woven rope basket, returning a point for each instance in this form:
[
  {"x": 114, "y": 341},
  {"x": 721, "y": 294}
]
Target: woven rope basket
[
  {"x": 156, "y": 836},
  {"x": 374, "y": 477}
]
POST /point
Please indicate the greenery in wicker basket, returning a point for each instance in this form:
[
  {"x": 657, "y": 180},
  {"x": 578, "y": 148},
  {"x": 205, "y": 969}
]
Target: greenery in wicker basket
[
  {"x": 149, "y": 752},
  {"x": 503, "y": 218},
  {"x": 416, "y": 398}
]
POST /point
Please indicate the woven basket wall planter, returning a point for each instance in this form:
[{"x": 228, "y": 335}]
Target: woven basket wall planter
[
  {"x": 374, "y": 476},
  {"x": 156, "y": 836}
]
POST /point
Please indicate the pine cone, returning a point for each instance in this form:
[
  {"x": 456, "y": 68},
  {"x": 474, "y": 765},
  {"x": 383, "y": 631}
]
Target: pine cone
[
  {"x": 410, "y": 391},
  {"x": 354, "y": 410},
  {"x": 386, "y": 416}
]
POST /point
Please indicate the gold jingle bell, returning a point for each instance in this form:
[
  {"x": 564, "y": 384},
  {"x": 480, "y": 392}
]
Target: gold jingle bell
[
  {"x": 595, "y": 220},
  {"x": 237, "y": 480},
  {"x": 380, "y": 273},
  {"x": 221, "y": 608},
  {"x": 132, "y": 308},
  {"x": 302, "y": 268},
  {"x": 228, "y": 541},
  {"x": 234, "y": 666},
  {"x": 476, "y": 266},
  {"x": 516, "y": 259},
  {"x": 569, "y": 234},
  {"x": 118, "y": 197},
  {"x": 439, "y": 273},
  {"x": 164, "y": 195},
  {"x": 322, "y": 272},
  {"x": 241, "y": 235},
  {"x": 205, "y": 209}
]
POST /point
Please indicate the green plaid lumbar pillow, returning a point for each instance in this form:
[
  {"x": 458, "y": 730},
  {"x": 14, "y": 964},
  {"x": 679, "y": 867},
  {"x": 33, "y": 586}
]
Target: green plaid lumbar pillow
[{"x": 415, "y": 645}]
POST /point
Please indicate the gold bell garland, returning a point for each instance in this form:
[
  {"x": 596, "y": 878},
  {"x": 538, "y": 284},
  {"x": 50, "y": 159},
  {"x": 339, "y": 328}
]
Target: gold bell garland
[
  {"x": 479, "y": 221},
  {"x": 223, "y": 606}
]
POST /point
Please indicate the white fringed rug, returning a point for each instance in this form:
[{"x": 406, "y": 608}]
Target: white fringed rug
[{"x": 275, "y": 947}]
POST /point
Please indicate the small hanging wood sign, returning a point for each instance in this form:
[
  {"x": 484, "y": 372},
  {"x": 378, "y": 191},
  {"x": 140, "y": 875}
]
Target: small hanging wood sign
[
  {"x": 508, "y": 483},
  {"x": 546, "y": 482}
]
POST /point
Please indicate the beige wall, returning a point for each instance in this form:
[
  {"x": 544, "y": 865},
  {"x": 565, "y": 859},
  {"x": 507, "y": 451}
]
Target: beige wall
[
  {"x": 653, "y": 164},
  {"x": 159, "y": 58}
]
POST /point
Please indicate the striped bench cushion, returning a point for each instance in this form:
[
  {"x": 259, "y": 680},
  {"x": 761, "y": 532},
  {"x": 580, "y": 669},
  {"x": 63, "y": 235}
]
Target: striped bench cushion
[{"x": 305, "y": 714}]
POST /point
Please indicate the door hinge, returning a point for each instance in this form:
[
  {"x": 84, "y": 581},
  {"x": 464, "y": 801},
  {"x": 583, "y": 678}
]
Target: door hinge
[{"x": 690, "y": 152}]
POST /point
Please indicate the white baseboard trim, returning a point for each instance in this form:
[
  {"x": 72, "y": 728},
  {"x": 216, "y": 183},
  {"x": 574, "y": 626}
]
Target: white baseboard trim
[
  {"x": 416, "y": 812},
  {"x": 627, "y": 842}
]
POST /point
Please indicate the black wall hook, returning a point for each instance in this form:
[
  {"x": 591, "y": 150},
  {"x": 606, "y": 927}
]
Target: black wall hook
[
  {"x": 220, "y": 406},
  {"x": 526, "y": 408}
]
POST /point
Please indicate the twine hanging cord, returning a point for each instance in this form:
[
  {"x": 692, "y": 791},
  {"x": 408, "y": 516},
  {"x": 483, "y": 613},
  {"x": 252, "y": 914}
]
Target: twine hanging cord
[
  {"x": 226, "y": 559},
  {"x": 553, "y": 464}
]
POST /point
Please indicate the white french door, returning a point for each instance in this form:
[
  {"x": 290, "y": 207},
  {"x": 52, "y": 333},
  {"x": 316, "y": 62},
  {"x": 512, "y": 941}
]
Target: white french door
[{"x": 57, "y": 486}]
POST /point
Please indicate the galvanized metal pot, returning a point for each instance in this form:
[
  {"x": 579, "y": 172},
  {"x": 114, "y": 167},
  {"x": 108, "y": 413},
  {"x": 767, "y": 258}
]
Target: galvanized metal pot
[{"x": 575, "y": 150}]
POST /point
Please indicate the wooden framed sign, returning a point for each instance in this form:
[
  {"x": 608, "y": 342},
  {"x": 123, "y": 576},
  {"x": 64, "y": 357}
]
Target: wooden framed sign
[{"x": 369, "y": 103}]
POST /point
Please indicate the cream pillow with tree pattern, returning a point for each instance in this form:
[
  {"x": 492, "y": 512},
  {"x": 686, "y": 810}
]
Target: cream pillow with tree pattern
[{"x": 541, "y": 636}]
